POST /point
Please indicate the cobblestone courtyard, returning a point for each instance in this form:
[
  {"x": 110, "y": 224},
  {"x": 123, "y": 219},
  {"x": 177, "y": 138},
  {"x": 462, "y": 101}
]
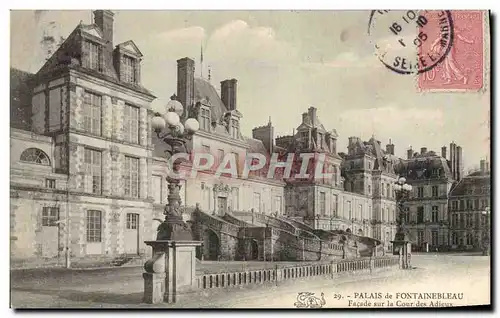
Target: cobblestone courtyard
[{"x": 123, "y": 287}]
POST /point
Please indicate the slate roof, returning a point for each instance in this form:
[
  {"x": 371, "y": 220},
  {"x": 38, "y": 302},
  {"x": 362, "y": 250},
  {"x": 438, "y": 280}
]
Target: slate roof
[
  {"x": 205, "y": 93},
  {"x": 420, "y": 168},
  {"x": 473, "y": 185},
  {"x": 20, "y": 99},
  {"x": 67, "y": 55}
]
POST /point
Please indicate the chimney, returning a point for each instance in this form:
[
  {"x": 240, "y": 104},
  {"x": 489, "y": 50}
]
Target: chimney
[
  {"x": 459, "y": 163},
  {"x": 228, "y": 93},
  {"x": 104, "y": 20},
  {"x": 351, "y": 145},
  {"x": 482, "y": 165},
  {"x": 185, "y": 82},
  {"x": 452, "y": 161},
  {"x": 389, "y": 148},
  {"x": 443, "y": 152},
  {"x": 304, "y": 118},
  {"x": 266, "y": 135},
  {"x": 312, "y": 115},
  {"x": 409, "y": 153},
  {"x": 423, "y": 150}
]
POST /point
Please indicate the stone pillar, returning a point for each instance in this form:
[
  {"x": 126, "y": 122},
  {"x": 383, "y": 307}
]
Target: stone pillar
[
  {"x": 107, "y": 117},
  {"x": 118, "y": 119},
  {"x": 143, "y": 178},
  {"x": 149, "y": 179},
  {"x": 143, "y": 125},
  {"x": 114, "y": 170},
  {"x": 170, "y": 274},
  {"x": 76, "y": 107},
  {"x": 120, "y": 182},
  {"x": 107, "y": 172}
]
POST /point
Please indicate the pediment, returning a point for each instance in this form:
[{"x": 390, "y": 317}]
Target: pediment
[
  {"x": 303, "y": 126},
  {"x": 130, "y": 47},
  {"x": 94, "y": 31}
]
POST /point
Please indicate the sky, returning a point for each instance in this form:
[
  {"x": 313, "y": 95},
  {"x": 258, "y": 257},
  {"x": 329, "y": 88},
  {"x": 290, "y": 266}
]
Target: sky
[{"x": 285, "y": 62}]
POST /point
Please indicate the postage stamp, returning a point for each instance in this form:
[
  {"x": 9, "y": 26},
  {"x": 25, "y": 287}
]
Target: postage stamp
[{"x": 462, "y": 68}]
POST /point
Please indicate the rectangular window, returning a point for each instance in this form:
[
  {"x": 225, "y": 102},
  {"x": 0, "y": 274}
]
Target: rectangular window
[
  {"x": 131, "y": 177},
  {"x": 454, "y": 205},
  {"x": 205, "y": 119},
  {"x": 157, "y": 189},
  {"x": 406, "y": 215},
  {"x": 435, "y": 214},
  {"x": 469, "y": 205},
  {"x": 93, "y": 60},
  {"x": 462, "y": 205},
  {"x": 434, "y": 191},
  {"x": 256, "y": 202},
  {"x": 235, "y": 192},
  {"x": 334, "y": 205},
  {"x": 132, "y": 221},
  {"x": 92, "y": 160},
  {"x": 128, "y": 71},
  {"x": 92, "y": 113},
  {"x": 434, "y": 238},
  {"x": 50, "y": 183},
  {"x": 476, "y": 204},
  {"x": 322, "y": 203},
  {"x": 420, "y": 192},
  {"x": 50, "y": 215},
  {"x": 131, "y": 124},
  {"x": 278, "y": 204},
  {"x": 420, "y": 236},
  {"x": 420, "y": 214},
  {"x": 94, "y": 226},
  {"x": 235, "y": 128}
]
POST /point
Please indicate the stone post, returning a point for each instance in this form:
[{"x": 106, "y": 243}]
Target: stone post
[{"x": 170, "y": 273}]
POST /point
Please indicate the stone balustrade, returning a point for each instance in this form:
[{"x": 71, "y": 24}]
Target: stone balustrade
[
  {"x": 217, "y": 224},
  {"x": 283, "y": 273}
]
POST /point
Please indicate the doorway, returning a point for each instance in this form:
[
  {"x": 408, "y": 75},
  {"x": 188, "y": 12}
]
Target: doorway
[
  {"x": 50, "y": 232},
  {"x": 222, "y": 205},
  {"x": 132, "y": 234},
  {"x": 211, "y": 245},
  {"x": 254, "y": 250}
]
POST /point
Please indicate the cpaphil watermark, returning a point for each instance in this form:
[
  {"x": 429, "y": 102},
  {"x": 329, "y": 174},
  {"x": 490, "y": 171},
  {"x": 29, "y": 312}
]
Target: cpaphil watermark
[{"x": 303, "y": 166}]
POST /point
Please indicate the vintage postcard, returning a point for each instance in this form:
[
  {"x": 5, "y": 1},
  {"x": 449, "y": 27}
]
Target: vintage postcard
[{"x": 250, "y": 159}]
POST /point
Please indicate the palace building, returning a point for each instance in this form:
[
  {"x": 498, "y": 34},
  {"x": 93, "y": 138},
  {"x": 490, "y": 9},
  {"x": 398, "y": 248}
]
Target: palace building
[{"x": 89, "y": 176}]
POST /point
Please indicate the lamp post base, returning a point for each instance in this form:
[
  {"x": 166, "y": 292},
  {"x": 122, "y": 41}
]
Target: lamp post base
[{"x": 174, "y": 228}]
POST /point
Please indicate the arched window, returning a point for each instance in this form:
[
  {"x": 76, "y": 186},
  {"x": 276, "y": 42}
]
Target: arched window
[{"x": 35, "y": 155}]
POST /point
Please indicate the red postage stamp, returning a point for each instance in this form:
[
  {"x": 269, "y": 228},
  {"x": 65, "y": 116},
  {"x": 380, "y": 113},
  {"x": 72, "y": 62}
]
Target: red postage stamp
[{"x": 462, "y": 67}]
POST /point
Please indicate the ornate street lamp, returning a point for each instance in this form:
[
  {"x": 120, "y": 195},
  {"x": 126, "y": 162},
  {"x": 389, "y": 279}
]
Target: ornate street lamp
[
  {"x": 403, "y": 191},
  {"x": 172, "y": 132},
  {"x": 400, "y": 243},
  {"x": 486, "y": 232}
]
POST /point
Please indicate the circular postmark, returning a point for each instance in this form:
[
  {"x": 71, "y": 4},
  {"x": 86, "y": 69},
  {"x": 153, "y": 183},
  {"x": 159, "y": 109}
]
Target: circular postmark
[{"x": 411, "y": 41}]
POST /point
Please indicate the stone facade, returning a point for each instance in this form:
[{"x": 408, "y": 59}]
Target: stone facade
[
  {"x": 90, "y": 191},
  {"x": 469, "y": 208},
  {"x": 426, "y": 210}
]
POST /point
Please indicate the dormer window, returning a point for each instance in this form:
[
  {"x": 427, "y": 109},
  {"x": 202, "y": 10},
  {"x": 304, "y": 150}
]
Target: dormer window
[
  {"x": 204, "y": 118},
  {"x": 235, "y": 128},
  {"x": 93, "y": 53},
  {"x": 129, "y": 65}
]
